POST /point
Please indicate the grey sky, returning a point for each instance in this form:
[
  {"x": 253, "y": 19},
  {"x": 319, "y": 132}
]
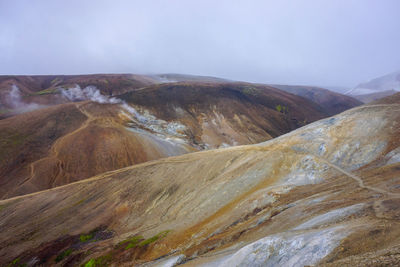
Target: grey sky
[{"x": 324, "y": 42}]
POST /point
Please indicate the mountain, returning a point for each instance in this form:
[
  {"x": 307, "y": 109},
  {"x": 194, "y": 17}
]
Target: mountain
[
  {"x": 174, "y": 77},
  {"x": 92, "y": 133},
  {"x": 367, "y": 98},
  {"x": 21, "y": 93},
  {"x": 332, "y": 102},
  {"x": 385, "y": 83},
  {"x": 325, "y": 194}
]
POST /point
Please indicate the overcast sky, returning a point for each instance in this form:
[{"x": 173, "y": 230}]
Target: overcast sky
[{"x": 317, "y": 42}]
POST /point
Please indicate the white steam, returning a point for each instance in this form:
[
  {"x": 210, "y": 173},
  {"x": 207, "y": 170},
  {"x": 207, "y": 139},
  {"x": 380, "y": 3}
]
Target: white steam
[
  {"x": 14, "y": 100},
  {"x": 88, "y": 93}
]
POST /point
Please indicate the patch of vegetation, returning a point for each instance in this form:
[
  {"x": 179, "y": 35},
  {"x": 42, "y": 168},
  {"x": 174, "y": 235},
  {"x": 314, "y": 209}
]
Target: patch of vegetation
[
  {"x": 100, "y": 261},
  {"x": 132, "y": 241},
  {"x": 56, "y": 80},
  {"x": 85, "y": 238},
  {"x": 153, "y": 238},
  {"x": 16, "y": 263},
  {"x": 248, "y": 90},
  {"x": 89, "y": 237},
  {"x": 282, "y": 109},
  {"x": 47, "y": 91},
  {"x": 139, "y": 241},
  {"x": 64, "y": 254}
]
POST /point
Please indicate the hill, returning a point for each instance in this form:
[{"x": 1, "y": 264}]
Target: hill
[
  {"x": 392, "y": 99},
  {"x": 175, "y": 77},
  {"x": 332, "y": 102},
  {"x": 68, "y": 142},
  {"x": 368, "y": 98},
  {"x": 378, "y": 85},
  {"x": 326, "y": 194},
  {"x": 21, "y": 93}
]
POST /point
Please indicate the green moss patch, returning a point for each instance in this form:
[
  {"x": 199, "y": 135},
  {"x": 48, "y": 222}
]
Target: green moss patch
[
  {"x": 86, "y": 238},
  {"x": 100, "y": 261},
  {"x": 139, "y": 241},
  {"x": 249, "y": 90},
  {"x": 131, "y": 242},
  {"x": 282, "y": 109},
  {"x": 16, "y": 262},
  {"x": 47, "y": 92},
  {"x": 64, "y": 254}
]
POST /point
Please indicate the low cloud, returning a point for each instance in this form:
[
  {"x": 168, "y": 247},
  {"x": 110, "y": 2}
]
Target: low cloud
[{"x": 14, "y": 100}]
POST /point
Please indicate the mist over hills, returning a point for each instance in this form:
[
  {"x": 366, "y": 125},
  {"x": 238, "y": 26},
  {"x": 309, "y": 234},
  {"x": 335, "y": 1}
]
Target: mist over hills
[
  {"x": 199, "y": 133},
  {"x": 376, "y": 88}
]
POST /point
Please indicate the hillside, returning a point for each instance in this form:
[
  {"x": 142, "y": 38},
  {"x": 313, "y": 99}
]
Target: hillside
[
  {"x": 19, "y": 93},
  {"x": 175, "y": 77},
  {"x": 326, "y": 193},
  {"x": 392, "y": 99},
  {"x": 384, "y": 83},
  {"x": 68, "y": 142},
  {"x": 332, "y": 102},
  {"x": 368, "y": 98},
  {"x": 65, "y": 143}
]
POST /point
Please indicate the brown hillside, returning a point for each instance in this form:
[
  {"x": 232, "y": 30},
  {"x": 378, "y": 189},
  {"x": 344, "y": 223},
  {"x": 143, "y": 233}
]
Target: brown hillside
[
  {"x": 333, "y": 103},
  {"x": 324, "y": 194},
  {"x": 62, "y": 144},
  {"x": 66, "y": 143}
]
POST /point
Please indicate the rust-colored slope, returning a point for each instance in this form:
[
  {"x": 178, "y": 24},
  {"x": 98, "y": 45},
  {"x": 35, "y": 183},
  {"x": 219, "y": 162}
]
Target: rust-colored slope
[
  {"x": 319, "y": 194},
  {"x": 169, "y": 119},
  {"x": 254, "y": 110},
  {"x": 66, "y": 143}
]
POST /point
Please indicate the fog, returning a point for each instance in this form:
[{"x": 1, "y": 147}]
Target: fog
[
  {"x": 337, "y": 43},
  {"x": 14, "y": 99}
]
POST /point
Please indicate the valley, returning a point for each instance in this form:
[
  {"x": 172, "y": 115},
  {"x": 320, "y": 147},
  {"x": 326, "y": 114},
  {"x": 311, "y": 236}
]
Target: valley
[{"x": 323, "y": 194}]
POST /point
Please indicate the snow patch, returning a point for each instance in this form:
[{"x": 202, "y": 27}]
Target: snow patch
[
  {"x": 286, "y": 249},
  {"x": 393, "y": 156},
  {"x": 330, "y": 217}
]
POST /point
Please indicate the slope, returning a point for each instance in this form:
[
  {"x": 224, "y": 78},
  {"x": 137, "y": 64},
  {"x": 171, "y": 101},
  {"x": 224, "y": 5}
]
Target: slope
[
  {"x": 384, "y": 83},
  {"x": 19, "y": 93},
  {"x": 323, "y": 194},
  {"x": 65, "y": 143},
  {"x": 332, "y": 102}
]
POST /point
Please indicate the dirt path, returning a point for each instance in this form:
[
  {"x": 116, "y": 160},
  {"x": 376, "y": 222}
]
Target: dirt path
[
  {"x": 358, "y": 179},
  {"x": 53, "y": 153}
]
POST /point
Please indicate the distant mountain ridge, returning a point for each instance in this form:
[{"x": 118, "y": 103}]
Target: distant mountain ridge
[
  {"x": 384, "y": 83},
  {"x": 331, "y": 101}
]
